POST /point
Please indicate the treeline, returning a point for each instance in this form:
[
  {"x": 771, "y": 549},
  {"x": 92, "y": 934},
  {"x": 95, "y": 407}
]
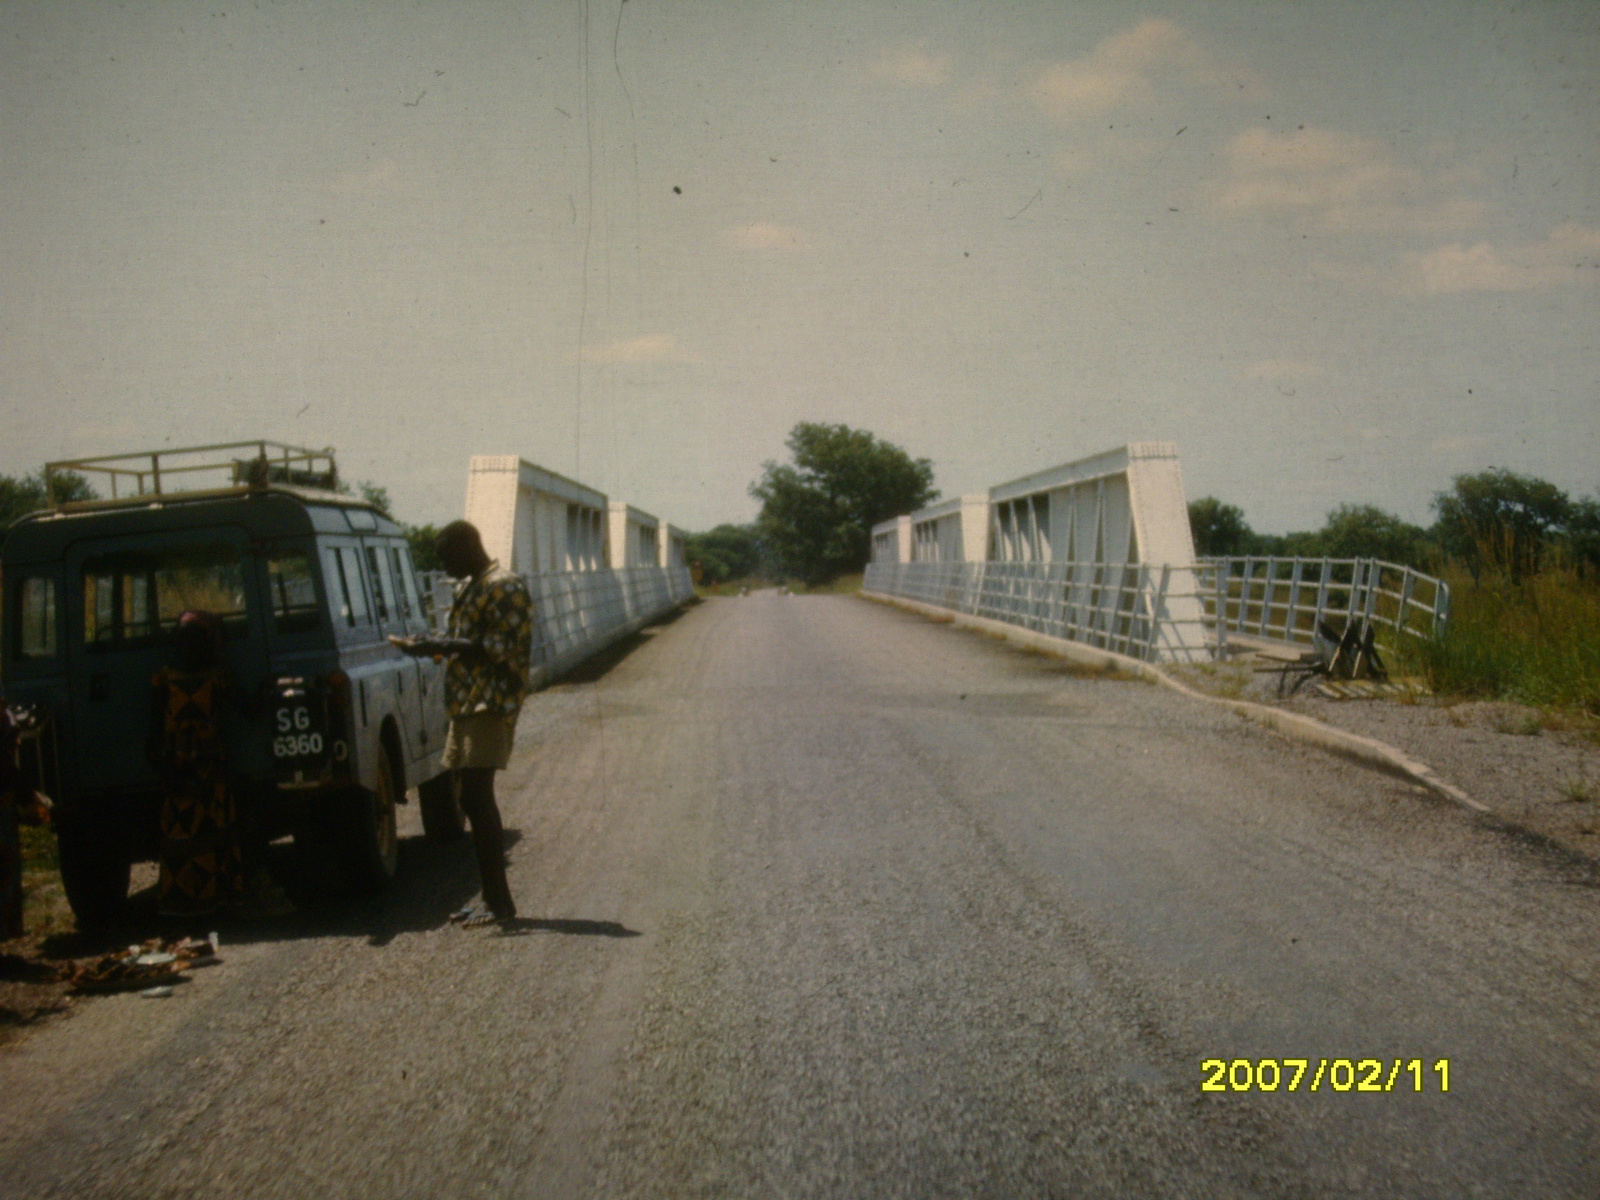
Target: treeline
[
  {"x": 23, "y": 494},
  {"x": 1494, "y": 519}
]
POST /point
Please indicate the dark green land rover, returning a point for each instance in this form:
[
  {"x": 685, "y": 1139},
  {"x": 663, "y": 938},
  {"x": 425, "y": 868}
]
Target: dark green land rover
[{"x": 337, "y": 724}]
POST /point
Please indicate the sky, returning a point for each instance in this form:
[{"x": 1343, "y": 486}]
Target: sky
[{"x": 1337, "y": 252}]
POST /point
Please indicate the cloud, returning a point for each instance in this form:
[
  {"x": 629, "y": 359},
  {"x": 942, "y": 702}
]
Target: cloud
[
  {"x": 1571, "y": 254},
  {"x": 374, "y": 177},
  {"x": 1341, "y": 182},
  {"x": 1281, "y": 369},
  {"x": 914, "y": 65},
  {"x": 649, "y": 347},
  {"x": 1124, "y": 68},
  {"x": 764, "y": 235},
  {"x": 1118, "y": 150}
]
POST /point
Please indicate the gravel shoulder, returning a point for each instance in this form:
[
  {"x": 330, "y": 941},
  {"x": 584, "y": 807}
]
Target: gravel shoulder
[{"x": 1532, "y": 769}]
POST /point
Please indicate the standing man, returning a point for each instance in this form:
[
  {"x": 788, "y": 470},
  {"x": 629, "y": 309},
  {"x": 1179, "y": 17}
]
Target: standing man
[{"x": 488, "y": 641}]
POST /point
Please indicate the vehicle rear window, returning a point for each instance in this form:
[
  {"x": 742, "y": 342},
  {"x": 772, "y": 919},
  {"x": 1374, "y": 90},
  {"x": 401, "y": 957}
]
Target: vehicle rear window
[
  {"x": 294, "y": 593},
  {"x": 36, "y": 615},
  {"x": 132, "y": 596}
]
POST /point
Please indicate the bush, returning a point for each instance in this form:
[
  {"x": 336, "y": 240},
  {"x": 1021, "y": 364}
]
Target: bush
[{"x": 1533, "y": 639}]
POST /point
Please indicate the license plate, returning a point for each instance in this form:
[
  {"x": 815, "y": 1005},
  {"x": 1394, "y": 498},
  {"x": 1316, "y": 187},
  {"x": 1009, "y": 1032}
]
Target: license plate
[{"x": 295, "y": 734}]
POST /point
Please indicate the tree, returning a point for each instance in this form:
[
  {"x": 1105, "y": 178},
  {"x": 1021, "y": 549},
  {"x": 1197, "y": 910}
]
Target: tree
[
  {"x": 370, "y": 493},
  {"x": 376, "y": 496},
  {"x": 1583, "y": 532},
  {"x": 424, "y": 548},
  {"x": 24, "y": 494},
  {"x": 726, "y": 552},
  {"x": 1366, "y": 531},
  {"x": 1219, "y": 529},
  {"x": 817, "y": 515},
  {"x": 1502, "y": 519}
]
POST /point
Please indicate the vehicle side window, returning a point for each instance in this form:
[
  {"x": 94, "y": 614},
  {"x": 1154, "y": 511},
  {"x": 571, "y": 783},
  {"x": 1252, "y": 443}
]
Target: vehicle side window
[
  {"x": 405, "y": 582},
  {"x": 341, "y": 572},
  {"x": 36, "y": 613},
  {"x": 350, "y": 568},
  {"x": 294, "y": 593},
  {"x": 382, "y": 586},
  {"x": 333, "y": 580}
]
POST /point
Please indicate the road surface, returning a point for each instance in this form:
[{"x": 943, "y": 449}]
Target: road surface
[{"x": 822, "y": 899}]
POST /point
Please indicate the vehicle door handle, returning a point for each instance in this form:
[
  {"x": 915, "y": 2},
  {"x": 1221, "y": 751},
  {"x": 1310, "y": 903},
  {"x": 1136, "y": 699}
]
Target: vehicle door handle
[{"x": 99, "y": 686}]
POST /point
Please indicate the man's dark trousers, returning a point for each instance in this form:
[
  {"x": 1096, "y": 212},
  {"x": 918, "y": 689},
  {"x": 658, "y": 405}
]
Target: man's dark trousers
[{"x": 488, "y": 836}]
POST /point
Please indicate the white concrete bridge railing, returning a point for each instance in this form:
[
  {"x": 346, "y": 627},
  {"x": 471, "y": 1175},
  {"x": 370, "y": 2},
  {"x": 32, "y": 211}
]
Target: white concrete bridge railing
[
  {"x": 597, "y": 569},
  {"x": 1146, "y": 612},
  {"x": 1096, "y": 550}
]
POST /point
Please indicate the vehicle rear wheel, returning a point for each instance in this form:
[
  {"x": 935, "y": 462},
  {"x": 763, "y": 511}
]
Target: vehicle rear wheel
[
  {"x": 94, "y": 875},
  {"x": 371, "y": 849},
  {"x": 440, "y": 801}
]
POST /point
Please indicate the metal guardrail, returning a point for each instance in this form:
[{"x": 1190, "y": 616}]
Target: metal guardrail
[
  {"x": 578, "y": 613},
  {"x": 1284, "y": 599},
  {"x": 1167, "y": 612},
  {"x": 1123, "y": 607}
]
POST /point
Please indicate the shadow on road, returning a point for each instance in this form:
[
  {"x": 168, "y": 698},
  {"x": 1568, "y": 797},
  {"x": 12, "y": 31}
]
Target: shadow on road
[
  {"x": 597, "y": 666},
  {"x": 433, "y": 882},
  {"x": 522, "y": 926}
]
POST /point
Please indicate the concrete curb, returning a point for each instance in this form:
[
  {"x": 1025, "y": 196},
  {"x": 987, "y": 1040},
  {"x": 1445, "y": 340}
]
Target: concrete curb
[{"x": 1367, "y": 751}]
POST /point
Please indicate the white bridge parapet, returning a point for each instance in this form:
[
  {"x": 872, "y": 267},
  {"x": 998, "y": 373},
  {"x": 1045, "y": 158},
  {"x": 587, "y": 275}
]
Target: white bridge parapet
[
  {"x": 1095, "y": 550},
  {"x": 597, "y": 569}
]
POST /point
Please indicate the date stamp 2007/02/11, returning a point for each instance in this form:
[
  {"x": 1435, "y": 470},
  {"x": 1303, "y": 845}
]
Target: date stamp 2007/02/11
[{"x": 1313, "y": 1074}]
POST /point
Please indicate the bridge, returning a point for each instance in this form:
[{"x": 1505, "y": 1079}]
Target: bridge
[{"x": 823, "y": 898}]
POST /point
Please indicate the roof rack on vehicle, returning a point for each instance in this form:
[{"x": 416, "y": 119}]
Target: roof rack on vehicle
[{"x": 152, "y": 472}]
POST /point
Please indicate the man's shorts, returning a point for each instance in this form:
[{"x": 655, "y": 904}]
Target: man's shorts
[{"x": 480, "y": 739}]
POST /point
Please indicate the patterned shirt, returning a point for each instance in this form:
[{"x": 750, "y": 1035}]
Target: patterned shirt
[{"x": 492, "y": 608}]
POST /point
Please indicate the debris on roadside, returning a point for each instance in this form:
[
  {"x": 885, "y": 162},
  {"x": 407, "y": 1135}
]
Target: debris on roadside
[{"x": 146, "y": 967}]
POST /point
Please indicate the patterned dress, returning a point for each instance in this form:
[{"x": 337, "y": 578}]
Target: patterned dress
[
  {"x": 200, "y": 866},
  {"x": 19, "y": 805},
  {"x": 10, "y": 837}
]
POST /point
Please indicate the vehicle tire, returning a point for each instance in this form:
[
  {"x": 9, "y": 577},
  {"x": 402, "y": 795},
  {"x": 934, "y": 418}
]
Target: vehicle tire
[
  {"x": 371, "y": 835},
  {"x": 440, "y": 801},
  {"x": 94, "y": 875}
]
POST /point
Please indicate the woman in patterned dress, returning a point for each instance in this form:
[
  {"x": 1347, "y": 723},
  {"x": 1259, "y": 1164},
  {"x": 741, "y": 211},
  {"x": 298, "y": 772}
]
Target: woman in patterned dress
[
  {"x": 200, "y": 860},
  {"x": 19, "y": 805}
]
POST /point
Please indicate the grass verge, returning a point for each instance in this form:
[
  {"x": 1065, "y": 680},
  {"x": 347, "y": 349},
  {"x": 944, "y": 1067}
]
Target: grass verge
[
  {"x": 44, "y": 902},
  {"x": 1534, "y": 641}
]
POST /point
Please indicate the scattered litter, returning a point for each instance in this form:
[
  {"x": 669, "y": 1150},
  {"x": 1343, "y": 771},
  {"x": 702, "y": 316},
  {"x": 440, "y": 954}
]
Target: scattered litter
[
  {"x": 158, "y": 993},
  {"x": 144, "y": 968}
]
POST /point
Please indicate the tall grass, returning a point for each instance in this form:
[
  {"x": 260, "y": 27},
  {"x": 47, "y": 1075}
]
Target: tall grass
[{"x": 1533, "y": 639}]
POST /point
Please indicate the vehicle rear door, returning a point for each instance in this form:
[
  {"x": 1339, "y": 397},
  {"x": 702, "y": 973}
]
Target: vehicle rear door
[{"x": 124, "y": 598}]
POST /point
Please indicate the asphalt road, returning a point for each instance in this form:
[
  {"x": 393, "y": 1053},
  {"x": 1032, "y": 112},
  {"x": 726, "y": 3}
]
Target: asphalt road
[{"x": 826, "y": 900}]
